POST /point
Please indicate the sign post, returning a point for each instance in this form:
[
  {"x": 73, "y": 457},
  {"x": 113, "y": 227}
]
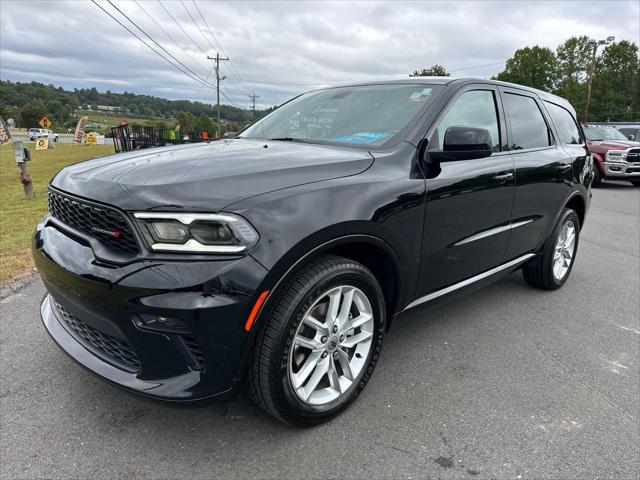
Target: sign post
[
  {"x": 46, "y": 124},
  {"x": 22, "y": 155}
]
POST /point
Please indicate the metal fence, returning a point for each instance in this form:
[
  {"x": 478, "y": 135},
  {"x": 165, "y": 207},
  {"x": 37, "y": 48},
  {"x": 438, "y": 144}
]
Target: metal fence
[{"x": 127, "y": 138}]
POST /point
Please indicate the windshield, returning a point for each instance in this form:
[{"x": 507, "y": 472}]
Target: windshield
[
  {"x": 365, "y": 115},
  {"x": 603, "y": 133}
]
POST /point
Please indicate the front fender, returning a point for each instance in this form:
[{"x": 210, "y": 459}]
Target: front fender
[{"x": 598, "y": 162}]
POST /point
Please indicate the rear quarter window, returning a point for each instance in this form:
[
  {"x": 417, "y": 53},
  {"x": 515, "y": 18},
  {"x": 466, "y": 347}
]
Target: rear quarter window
[{"x": 565, "y": 123}]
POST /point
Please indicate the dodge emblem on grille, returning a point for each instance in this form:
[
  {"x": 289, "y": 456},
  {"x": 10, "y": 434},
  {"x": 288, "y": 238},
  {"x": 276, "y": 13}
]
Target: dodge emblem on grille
[{"x": 113, "y": 233}]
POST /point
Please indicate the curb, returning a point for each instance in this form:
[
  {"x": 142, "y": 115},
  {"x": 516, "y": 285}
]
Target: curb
[{"x": 16, "y": 286}]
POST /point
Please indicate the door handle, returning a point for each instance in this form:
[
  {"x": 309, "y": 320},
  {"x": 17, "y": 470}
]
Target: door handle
[{"x": 503, "y": 177}]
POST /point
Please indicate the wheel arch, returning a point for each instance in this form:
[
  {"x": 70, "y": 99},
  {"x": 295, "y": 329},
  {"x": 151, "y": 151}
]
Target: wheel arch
[
  {"x": 598, "y": 162},
  {"x": 370, "y": 250},
  {"x": 579, "y": 205}
]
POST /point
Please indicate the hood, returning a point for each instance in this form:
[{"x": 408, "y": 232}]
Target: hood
[
  {"x": 206, "y": 176},
  {"x": 602, "y": 146}
]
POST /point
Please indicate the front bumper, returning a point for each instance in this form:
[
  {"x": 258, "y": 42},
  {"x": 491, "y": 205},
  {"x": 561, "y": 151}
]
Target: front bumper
[
  {"x": 93, "y": 311},
  {"x": 622, "y": 170}
]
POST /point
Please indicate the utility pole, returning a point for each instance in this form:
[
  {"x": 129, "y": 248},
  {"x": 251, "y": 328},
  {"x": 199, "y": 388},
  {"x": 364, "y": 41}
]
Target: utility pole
[
  {"x": 217, "y": 59},
  {"x": 594, "y": 44},
  {"x": 253, "y": 103}
]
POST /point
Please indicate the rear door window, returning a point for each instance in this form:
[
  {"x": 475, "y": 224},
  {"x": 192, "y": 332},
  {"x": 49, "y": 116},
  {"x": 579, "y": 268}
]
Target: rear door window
[
  {"x": 565, "y": 123},
  {"x": 528, "y": 126}
]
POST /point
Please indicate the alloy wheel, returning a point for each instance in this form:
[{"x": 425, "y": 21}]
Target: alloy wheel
[
  {"x": 564, "y": 250},
  {"x": 331, "y": 345}
]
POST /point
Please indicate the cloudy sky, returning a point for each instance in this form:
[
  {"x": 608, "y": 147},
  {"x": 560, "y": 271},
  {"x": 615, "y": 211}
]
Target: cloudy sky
[{"x": 279, "y": 49}]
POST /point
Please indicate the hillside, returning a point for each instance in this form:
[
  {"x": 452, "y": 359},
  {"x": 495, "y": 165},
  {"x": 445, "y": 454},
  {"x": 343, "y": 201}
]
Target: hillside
[{"x": 26, "y": 101}]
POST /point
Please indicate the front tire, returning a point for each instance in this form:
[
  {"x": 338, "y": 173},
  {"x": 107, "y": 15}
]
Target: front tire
[
  {"x": 635, "y": 182},
  {"x": 597, "y": 177},
  {"x": 552, "y": 267},
  {"x": 319, "y": 342}
]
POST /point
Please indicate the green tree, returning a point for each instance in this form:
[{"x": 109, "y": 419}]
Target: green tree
[
  {"x": 614, "y": 94},
  {"x": 186, "y": 121},
  {"x": 574, "y": 60},
  {"x": 31, "y": 113},
  {"x": 533, "y": 67},
  {"x": 204, "y": 124},
  {"x": 433, "y": 71}
]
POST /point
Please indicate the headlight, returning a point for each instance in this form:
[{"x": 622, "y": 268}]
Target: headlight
[
  {"x": 616, "y": 155},
  {"x": 196, "y": 232}
]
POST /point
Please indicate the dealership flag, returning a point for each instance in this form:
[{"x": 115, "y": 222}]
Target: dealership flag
[
  {"x": 5, "y": 136},
  {"x": 78, "y": 137}
]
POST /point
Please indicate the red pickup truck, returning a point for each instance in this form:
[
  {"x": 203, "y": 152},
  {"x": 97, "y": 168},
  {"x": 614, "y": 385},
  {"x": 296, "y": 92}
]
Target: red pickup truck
[{"x": 614, "y": 156}]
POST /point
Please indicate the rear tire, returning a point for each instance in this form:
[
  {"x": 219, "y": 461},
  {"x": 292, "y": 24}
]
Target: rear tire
[
  {"x": 311, "y": 361},
  {"x": 552, "y": 267}
]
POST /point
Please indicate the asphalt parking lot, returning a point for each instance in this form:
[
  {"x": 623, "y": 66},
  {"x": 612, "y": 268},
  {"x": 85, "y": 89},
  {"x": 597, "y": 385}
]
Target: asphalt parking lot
[{"x": 508, "y": 382}]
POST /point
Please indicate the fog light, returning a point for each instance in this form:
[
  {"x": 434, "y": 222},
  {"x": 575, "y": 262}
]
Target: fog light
[{"x": 160, "y": 323}]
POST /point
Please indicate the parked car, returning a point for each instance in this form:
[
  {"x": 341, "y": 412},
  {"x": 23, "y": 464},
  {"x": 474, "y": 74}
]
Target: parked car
[
  {"x": 632, "y": 132},
  {"x": 280, "y": 258},
  {"x": 614, "y": 156},
  {"x": 34, "y": 133}
]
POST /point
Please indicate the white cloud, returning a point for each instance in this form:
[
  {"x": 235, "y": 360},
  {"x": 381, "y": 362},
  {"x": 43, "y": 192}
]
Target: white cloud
[{"x": 75, "y": 44}]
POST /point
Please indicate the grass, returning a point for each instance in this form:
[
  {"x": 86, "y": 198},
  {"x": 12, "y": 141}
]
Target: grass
[{"x": 18, "y": 216}]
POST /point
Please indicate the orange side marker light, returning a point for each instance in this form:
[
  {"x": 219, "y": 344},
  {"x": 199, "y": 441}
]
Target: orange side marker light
[{"x": 255, "y": 310}]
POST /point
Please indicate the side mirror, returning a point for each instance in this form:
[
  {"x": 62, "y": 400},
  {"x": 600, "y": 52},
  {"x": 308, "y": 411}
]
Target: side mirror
[
  {"x": 632, "y": 137},
  {"x": 463, "y": 143}
]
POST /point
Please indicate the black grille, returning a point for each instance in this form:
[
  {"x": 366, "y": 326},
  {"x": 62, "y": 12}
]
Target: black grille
[
  {"x": 633, "y": 155},
  {"x": 194, "y": 350},
  {"x": 108, "y": 226},
  {"x": 114, "y": 351}
]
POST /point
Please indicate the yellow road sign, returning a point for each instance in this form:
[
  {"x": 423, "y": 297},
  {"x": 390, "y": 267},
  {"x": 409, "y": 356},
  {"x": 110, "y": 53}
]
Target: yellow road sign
[
  {"x": 42, "y": 143},
  {"x": 90, "y": 138},
  {"x": 44, "y": 122}
]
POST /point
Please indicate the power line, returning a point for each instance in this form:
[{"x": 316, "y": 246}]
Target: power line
[
  {"x": 197, "y": 26},
  {"x": 231, "y": 101},
  {"x": 161, "y": 47},
  {"x": 167, "y": 34},
  {"x": 477, "y": 66},
  {"x": 196, "y": 78},
  {"x": 234, "y": 72},
  {"x": 201, "y": 88},
  {"x": 206, "y": 24},
  {"x": 180, "y": 27},
  {"x": 259, "y": 82}
]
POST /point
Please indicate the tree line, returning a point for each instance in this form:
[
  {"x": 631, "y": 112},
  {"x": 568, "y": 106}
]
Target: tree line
[
  {"x": 615, "y": 93},
  {"x": 26, "y": 103}
]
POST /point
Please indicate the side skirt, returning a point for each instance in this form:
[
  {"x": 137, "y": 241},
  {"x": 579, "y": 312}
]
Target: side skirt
[{"x": 469, "y": 281}]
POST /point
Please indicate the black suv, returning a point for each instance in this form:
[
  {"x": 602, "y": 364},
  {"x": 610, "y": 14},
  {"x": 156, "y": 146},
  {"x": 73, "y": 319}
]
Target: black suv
[{"x": 280, "y": 258}]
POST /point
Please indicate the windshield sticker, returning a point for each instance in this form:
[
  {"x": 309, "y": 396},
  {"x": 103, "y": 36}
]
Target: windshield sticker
[
  {"x": 361, "y": 137},
  {"x": 421, "y": 95}
]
